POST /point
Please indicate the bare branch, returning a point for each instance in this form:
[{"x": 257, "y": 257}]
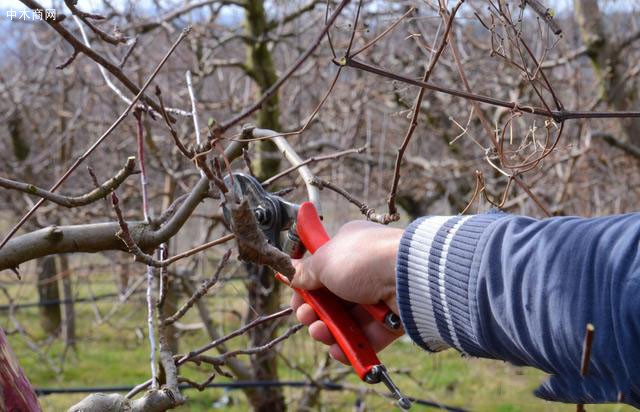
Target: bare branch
[
  {"x": 546, "y": 14},
  {"x": 98, "y": 58},
  {"x": 202, "y": 290},
  {"x": 367, "y": 211},
  {"x": 74, "y": 201},
  {"x": 313, "y": 159},
  {"x": 391, "y": 202},
  {"x": 97, "y": 143},
  {"x": 257, "y": 321},
  {"x": 557, "y": 115}
]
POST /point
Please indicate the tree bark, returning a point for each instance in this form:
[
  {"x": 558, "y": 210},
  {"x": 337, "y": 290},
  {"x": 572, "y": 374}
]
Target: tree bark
[
  {"x": 259, "y": 66},
  {"x": 606, "y": 58},
  {"x": 16, "y": 393},
  {"x": 69, "y": 324},
  {"x": 264, "y": 297},
  {"x": 49, "y": 296},
  {"x": 263, "y": 290}
]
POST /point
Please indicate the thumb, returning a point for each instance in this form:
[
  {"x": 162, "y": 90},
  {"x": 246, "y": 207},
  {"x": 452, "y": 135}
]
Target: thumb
[{"x": 305, "y": 277}]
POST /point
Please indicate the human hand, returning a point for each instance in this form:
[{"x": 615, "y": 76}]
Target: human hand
[{"x": 357, "y": 265}]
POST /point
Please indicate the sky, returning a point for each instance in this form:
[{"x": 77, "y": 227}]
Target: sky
[
  {"x": 88, "y": 4},
  {"x": 559, "y": 6}
]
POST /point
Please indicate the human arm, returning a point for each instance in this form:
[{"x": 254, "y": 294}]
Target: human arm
[{"x": 522, "y": 290}]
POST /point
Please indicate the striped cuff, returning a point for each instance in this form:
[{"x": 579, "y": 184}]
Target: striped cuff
[{"x": 434, "y": 266}]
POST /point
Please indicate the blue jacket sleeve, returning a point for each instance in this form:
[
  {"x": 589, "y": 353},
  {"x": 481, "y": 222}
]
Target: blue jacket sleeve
[{"x": 523, "y": 290}]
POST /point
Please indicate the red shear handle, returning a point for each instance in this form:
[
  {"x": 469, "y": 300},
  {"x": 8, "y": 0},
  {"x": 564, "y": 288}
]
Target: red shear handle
[
  {"x": 313, "y": 235},
  {"x": 335, "y": 314}
]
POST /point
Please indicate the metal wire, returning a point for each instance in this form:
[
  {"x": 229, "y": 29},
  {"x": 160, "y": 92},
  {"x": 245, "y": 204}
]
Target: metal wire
[{"x": 330, "y": 386}]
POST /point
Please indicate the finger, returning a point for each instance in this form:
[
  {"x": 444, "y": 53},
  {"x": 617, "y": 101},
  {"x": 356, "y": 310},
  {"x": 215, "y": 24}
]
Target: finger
[
  {"x": 305, "y": 277},
  {"x": 336, "y": 353},
  {"x": 379, "y": 335},
  {"x": 296, "y": 301},
  {"x": 319, "y": 331},
  {"x": 306, "y": 315}
]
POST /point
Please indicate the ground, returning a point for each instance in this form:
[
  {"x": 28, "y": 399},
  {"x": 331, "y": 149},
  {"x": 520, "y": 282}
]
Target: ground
[{"x": 114, "y": 351}]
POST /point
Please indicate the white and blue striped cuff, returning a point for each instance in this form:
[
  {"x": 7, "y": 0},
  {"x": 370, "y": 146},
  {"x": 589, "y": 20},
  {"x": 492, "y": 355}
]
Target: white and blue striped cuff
[{"x": 434, "y": 265}]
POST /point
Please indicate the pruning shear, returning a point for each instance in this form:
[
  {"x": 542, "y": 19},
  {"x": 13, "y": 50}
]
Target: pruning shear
[{"x": 305, "y": 232}]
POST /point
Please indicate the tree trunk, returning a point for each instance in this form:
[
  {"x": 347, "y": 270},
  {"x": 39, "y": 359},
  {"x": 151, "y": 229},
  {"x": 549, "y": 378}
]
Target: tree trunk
[
  {"x": 49, "y": 296},
  {"x": 69, "y": 325},
  {"x": 171, "y": 298},
  {"x": 606, "y": 59},
  {"x": 16, "y": 393},
  {"x": 264, "y": 297},
  {"x": 263, "y": 290},
  {"x": 169, "y": 308},
  {"x": 259, "y": 66}
]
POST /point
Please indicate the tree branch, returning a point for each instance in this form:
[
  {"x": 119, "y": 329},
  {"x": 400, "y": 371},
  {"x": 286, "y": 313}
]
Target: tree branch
[
  {"x": 98, "y": 237},
  {"x": 80, "y": 47},
  {"x": 545, "y": 13},
  {"x": 202, "y": 290},
  {"x": 101, "y": 139},
  {"x": 74, "y": 201},
  {"x": 557, "y": 115}
]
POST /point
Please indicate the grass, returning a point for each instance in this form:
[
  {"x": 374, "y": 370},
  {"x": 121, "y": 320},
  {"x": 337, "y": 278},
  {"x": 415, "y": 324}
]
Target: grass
[{"x": 115, "y": 352}]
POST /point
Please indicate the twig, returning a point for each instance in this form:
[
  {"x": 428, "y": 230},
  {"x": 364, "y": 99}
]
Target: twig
[
  {"x": 533, "y": 197},
  {"x": 187, "y": 152},
  {"x": 70, "y": 60},
  {"x": 164, "y": 279},
  {"x": 150, "y": 269},
  {"x": 94, "y": 178},
  {"x": 353, "y": 29},
  {"x": 262, "y": 348},
  {"x": 125, "y": 235},
  {"x": 101, "y": 68},
  {"x": 217, "y": 361},
  {"x": 127, "y": 54},
  {"x": 202, "y": 290},
  {"x": 151, "y": 329},
  {"x": 166, "y": 356},
  {"x": 312, "y": 160},
  {"x": 368, "y": 212},
  {"x": 143, "y": 175},
  {"x": 253, "y": 245},
  {"x": 383, "y": 33},
  {"x": 476, "y": 191},
  {"x": 310, "y": 118},
  {"x": 257, "y": 321},
  {"x": 194, "y": 110},
  {"x": 391, "y": 202},
  {"x": 586, "y": 349},
  {"x": 247, "y": 162},
  {"x": 56, "y": 24},
  {"x": 199, "y": 386},
  {"x": 79, "y": 14},
  {"x": 74, "y": 201}
]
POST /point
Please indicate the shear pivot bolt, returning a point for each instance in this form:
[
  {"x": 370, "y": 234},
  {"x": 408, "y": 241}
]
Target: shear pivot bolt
[{"x": 261, "y": 214}]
